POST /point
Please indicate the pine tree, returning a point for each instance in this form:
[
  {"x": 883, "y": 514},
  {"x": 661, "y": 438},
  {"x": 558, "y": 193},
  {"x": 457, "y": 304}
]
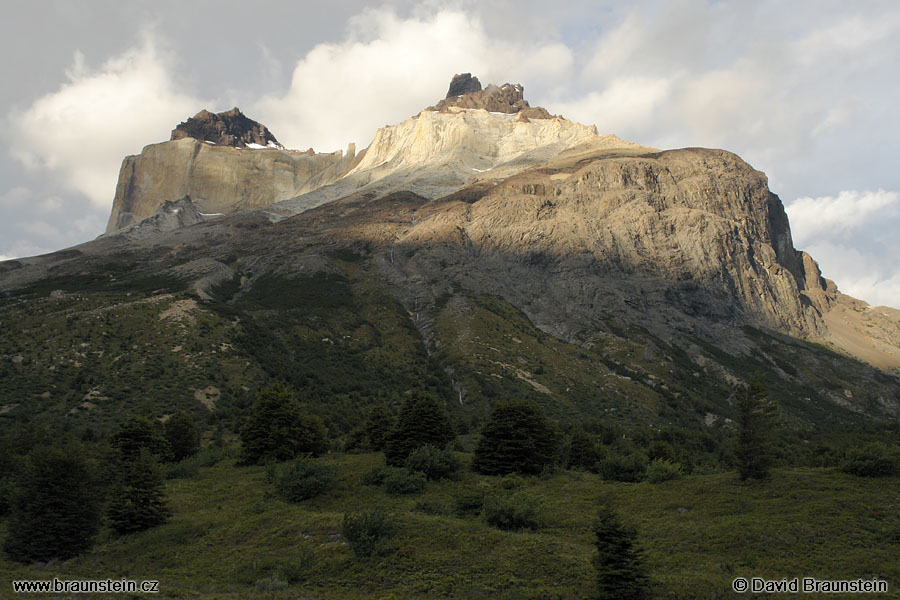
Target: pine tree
[
  {"x": 755, "y": 420},
  {"x": 138, "y": 499},
  {"x": 621, "y": 574},
  {"x": 277, "y": 428},
  {"x": 139, "y": 433},
  {"x": 422, "y": 421},
  {"x": 182, "y": 434},
  {"x": 517, "y": 438},
  {"x": 56, "y": 506}
]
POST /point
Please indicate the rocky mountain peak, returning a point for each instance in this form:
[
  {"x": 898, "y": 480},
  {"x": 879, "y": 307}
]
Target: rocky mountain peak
[
  {"x": 463, "y": 83},
  {"x": 229, "y": 128},
  {"x": 466, "y": 92}
]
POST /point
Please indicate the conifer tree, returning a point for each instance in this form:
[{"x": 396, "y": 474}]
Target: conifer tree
[
  {"x": 517, "y": 438},
  {"x": 277, "y": 428},
  {"x": 56, "y": 505},
  {"x": 422, "y": 421},
  {"x": 756, "y": 414},
  {"x": 378, "y": 425},
  {"x": 621, "y": 574},
  {"x": 137, "y": 499},
  {"x": 139, "y": 433},
  {"x": 183, "y": 436}
]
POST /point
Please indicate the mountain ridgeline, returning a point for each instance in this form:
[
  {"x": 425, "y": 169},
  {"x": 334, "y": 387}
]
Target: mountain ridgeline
[{"x": 482, "y": 250}]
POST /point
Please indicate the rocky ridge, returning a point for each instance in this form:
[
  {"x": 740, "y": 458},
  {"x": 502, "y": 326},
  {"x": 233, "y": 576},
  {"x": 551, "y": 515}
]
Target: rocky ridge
[
  {"x": 465, "y": 92},
  {"x": 229, "y": 128}
]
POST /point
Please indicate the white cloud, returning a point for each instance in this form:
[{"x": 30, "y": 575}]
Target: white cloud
[
  {"x": 82, "y": 131},
  {"x": 829, "y": 215},
  {"x": 869, "y": 274},
  {"x": 389, "y": 68}
]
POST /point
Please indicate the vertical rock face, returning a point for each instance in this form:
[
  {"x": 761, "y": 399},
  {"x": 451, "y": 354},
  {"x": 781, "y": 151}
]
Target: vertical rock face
[{"x": 224, "y": 163}]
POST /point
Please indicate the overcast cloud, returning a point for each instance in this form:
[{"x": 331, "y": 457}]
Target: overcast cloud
[{"x": 803, "y": 91}]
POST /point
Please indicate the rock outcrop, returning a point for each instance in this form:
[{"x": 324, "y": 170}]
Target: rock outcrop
[
  {"x": 230, "y": 128},
  {"x": 463, "y": 84},
  {"x": 465, "y": 92}
]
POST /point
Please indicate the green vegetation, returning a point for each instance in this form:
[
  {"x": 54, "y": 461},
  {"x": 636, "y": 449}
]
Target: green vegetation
[
  {"x": 873, "y": 460},
  {"x": 755, "y": 421},
  {"x": 228, "y": 531},
  {"x": 278, "y": 428},
  {"x": 369, "y": 532},
  {"x": 55, "y": 508},
  {"x": 512, "y": 512},
  {"x": 182, "y": 434},
  {"x": 305, "y": 478},
  {"x": 137, "y": 498},
  {"x": 518, "y": 438},
  {"x": 422, "y": 421},
  {"x": 621, "y": 574},
  {"x": 433, "y": 462}
]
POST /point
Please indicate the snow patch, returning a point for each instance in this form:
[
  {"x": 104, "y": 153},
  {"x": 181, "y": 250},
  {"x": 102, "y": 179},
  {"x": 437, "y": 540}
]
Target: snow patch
[
  {"x": 211, "y": 214},
  {"x": 255, "y": 146}
]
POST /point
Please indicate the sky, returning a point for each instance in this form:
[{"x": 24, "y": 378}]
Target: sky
[{"x": 805, "y": 91}]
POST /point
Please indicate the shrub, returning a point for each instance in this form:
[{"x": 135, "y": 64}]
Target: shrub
[
  {"x": 273, "y": 583},
  {"x": 369, "y": 532},
  {"x": 55, "y": 507},
  {"x": 422, "y": 421},
  {"x": 469, "y": 502},
  {"x": 661, "y": 470},
  {"x": 402, "y": 481},
  {"x": 512, "y": 512},
  {"x": 305, "y": 478},
  {"x": 376, "y": 476},
  {"x": 621, "y": 574},
  {"x": 278, "y": 429},
  {"x": 872, "y": 460},
  {"x": 628, "y": 468},
  {"x": 436, "y": 463},
  {"x": 138, "y": 497},
  {"x": 512, "y": 481},
  {"x": 516, "y": 439},
  {"x": 432, "y": 506}
]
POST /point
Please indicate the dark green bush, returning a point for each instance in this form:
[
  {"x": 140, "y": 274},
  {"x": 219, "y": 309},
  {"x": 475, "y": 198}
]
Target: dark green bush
[
  {"x": 369, "y": 532},
  {"x": 436, "y": 463},
  {"x": 628, "y": 468},
  {"x": 305, "y": 478},
  {"x": 619, "y": 562},
  {"x": 432, "y": 506},
  {"x": 403, "y": 481},
  {"x": 376, "y": 476},
  {"x": 469, "y": 502},
  {"x": 872, "y": 460},
  {"x": 660, "y": 470},
  {"x": 512, "y": 512}
]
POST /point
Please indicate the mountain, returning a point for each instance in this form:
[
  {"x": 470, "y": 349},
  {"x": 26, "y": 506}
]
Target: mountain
[{"x": 482, "y": 249}]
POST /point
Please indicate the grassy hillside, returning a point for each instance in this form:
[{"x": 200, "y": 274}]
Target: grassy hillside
[{"x": 230, "y": 534}]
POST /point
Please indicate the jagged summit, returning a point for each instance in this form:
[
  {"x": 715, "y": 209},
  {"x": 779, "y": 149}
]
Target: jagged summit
[
  {"x": 229, "y": 128},
  {"x": 463, "y": 83},
  {"x": 465, "y": 92}
]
